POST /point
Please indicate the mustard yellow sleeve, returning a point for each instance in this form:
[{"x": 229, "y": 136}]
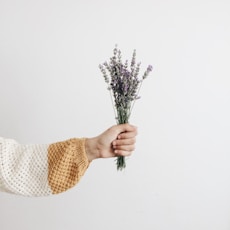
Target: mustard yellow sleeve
[
  {"x": 67, "y": 163},
  {"x": 41, "y": 169}
]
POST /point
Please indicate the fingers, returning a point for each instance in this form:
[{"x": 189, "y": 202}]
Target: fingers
[
  {"x": 127, "y": 135},
  {"x": 124, "y": 142},
  {"x": 122, "y": 153},
  {"x": 126, "y": 139},
  {"x": 124, "y": 147},
  {"x": 118, "y": 140},
  {"x": 122, "y": 131},
  {"x": 127, "y": 128}
]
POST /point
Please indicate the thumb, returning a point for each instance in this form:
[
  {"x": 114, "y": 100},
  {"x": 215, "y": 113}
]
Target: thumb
[{"x": 126, "y": 128}]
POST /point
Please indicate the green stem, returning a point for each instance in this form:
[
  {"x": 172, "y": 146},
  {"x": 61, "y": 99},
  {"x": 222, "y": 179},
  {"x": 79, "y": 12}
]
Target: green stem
[
  {"x": 137, "y": 96},
  {"x": 122, "y": 118}
]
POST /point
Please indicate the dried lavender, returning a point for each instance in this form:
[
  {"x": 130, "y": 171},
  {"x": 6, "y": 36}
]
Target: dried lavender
[{"x": 124, "y": 85}]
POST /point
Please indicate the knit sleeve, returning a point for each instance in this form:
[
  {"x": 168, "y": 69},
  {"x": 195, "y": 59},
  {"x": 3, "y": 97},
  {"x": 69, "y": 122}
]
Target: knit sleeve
[{"x": 41, "y": 170}]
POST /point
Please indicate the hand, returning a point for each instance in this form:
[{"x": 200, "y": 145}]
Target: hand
[{"x": 119, "y": 140}]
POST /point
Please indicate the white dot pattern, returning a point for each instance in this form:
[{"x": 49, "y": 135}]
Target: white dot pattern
[{"x": 24, "y": 168}]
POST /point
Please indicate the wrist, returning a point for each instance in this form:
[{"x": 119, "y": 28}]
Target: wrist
[{"x": 91, "y": 149}]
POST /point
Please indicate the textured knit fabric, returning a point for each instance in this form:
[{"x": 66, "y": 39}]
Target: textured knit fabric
[{"x": 41, "y": 170}]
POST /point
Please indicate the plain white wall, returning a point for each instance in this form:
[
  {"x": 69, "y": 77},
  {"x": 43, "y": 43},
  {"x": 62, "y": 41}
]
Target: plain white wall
[{"x": 51, "y": 89}]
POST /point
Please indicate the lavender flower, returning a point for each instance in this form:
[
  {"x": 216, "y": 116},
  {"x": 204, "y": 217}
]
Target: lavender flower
[
  {"x": 149, "y": 69},
  {"x": 124, "y": 86}
]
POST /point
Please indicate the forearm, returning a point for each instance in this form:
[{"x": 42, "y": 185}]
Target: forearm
[{"x": 39, "y": 170}]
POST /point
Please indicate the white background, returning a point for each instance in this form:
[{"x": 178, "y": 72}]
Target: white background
[{"x": 51, "y": 89}]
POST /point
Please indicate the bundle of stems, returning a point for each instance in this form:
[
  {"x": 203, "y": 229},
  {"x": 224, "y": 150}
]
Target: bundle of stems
[{"x": 124, "y": 86}]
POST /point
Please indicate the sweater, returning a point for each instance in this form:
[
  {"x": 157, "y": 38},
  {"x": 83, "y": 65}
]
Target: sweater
[{"x": 41, "y": 169}]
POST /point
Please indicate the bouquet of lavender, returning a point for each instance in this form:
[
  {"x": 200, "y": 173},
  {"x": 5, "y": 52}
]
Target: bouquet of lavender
[{"x": 124, "y": 85}]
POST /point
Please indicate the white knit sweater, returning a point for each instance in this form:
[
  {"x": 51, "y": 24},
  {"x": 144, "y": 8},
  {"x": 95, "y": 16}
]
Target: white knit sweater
[{"x": 41, "y": 170}]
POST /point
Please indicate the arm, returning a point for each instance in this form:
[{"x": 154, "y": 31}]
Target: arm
[{"x": 40, "y": 170}]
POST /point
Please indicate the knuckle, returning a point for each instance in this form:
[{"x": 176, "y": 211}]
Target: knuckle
[{"x": 133, "y": 141}]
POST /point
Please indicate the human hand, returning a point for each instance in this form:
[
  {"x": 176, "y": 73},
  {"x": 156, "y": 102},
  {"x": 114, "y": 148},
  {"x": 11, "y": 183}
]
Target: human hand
[{"x": 118, "y": 140}]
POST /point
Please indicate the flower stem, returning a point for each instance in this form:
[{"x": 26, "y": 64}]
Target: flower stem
[
  {"x": 135, "y": 99},
  {"x": 111, "y": 97},
  {"x": 121, "y": 163},
  {"x": 123, "y": 115}
]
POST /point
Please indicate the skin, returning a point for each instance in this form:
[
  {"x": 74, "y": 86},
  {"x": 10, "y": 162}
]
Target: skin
[{"x": 118, "y": 140}]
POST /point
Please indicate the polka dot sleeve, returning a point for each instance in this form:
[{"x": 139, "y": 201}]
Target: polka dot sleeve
[{"x": 41, "y": 170}]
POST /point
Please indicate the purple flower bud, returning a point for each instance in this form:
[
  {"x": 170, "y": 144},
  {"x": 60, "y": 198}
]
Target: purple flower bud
[{"x": 150, "y": 68}]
